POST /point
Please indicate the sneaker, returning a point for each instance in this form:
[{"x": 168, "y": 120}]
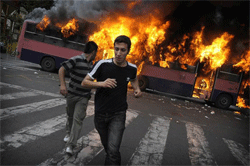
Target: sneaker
[
  {"x": 69, "y": 150},
  {"x": 66, "y": 138}
]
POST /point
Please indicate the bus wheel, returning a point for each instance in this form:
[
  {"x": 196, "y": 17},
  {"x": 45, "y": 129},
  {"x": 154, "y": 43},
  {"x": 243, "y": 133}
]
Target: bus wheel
[
  {"x": 143, "y": 82},
  {"x": 48, "y": 64},
  {"x": 223, "y": 101}
]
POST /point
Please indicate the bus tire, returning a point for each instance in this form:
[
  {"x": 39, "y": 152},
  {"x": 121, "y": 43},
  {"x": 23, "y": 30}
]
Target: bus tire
[
  {"x": 48, "y": 64},
  {"x": 143, "y": 82},
  {"x": 223, "y": 101}
]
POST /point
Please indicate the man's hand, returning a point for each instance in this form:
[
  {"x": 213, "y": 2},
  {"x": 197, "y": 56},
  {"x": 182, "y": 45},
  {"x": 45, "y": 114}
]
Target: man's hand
[
  {"x": 137, "y": 93},
  {"x": 63, "y": 90},
  {"x": 109, "y": 83}
]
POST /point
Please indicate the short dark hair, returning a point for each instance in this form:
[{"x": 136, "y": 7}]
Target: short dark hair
[
  {"x": 123, "y": 39},
  {"x": 90, "y": 47}
]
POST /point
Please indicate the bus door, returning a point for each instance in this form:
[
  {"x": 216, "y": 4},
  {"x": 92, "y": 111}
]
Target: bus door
[
  {"x": 174, "y": 80},
  {"x": 226, "y": 88}
]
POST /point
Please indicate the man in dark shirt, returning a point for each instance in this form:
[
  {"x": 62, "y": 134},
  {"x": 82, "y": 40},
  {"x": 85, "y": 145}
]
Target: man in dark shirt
[
  {"x": 77, "y": 96},
  {"x": 112, "y": 77}
]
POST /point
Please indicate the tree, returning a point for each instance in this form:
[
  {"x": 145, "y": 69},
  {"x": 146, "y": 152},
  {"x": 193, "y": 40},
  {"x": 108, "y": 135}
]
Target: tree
[{"x": 31, "y": 5}]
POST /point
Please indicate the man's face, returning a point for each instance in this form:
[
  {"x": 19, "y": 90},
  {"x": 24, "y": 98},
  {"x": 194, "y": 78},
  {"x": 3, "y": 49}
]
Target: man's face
[{"x": 121, "y": 51}]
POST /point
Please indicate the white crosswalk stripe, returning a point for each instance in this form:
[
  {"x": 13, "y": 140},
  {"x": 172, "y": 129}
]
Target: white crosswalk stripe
[
  {"x": 7, "y": 65},
  {"x": 28, "y": 108},
  {"x": 30, "y": 90},
  {"x": 151, "y": 147},
  {"x": 92, "y": 145},
  {"x": 238, "y": 151},
  {"x": 199, "y": 152},
  {"x": 40, "y": 129},
  {"x": 17, "y": 95},
  {"x": 150, "y": 150}
]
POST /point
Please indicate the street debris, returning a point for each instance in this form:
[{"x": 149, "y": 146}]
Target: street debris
[
  {"x": 172, "y": 99},
  {"x": 212, "y": 112},
  {"x": 177, "y": 121},
  {"x": 35, "y": 72},
  {"x": 237, "y": 118},
  {"x": 206, "y": 117},
  {"x": 4, "y": 68}
]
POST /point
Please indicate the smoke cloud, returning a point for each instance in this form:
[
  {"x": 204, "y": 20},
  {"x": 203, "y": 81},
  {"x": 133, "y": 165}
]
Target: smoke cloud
[
  {"x": 184, "y": 16},
  {"x": 95, "y": 10}
]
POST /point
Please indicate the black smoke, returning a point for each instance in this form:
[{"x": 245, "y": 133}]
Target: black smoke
[
  {"x": 185, "y": 17},
  {"x": 217, "y": 17}
]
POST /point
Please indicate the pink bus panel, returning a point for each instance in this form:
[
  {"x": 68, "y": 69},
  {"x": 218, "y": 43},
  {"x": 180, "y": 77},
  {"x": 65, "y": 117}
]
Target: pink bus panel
[
  {"x": 168, "y": 74},
  {"x": 226, "y": 86}
]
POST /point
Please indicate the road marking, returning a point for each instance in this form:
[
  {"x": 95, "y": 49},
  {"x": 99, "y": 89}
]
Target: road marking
[
  {"x": 28, "y": 108},
  {"x": 91, "y": 144},
  {"x": 40, "y": 129},
  {"x": 199, "y": 152},
  {"x": 151, "y": 147},
  {"x": 238, "y": 151},
  {"x": 17, "y": 95},
  {"x": 30, "y": 90},
  {"x": 7, "y": 65}
]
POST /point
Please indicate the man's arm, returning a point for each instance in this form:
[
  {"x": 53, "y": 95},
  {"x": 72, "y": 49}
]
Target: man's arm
[
  {"x": 89, "y": 83},
  {"x": 135, "y": 85},
  {"x": 63, "y": 88}
]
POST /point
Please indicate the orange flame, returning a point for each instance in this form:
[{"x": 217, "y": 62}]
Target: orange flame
[
  {"x": 217, "y": 53},
  {"x": 145, "y": 34},
  {"x": 68, "y": 29},
  {"x": 44, "y": 23},
  {"x": 241, "y": 103},
  {"x": 244, "y": 64}
]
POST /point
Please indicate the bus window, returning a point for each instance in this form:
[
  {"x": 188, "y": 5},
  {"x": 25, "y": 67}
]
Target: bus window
[
  {"x": 31, "y": 27},
  {"x": 52, "y": 36},
  {"x": 74, "y": 45},
  {"x": 78, "y": 39},
  {"x": 31, "y": 33},
  {"x": 229, "y": 76},
  {"x": 177, "y": 66},
  {"x": 76, "y": 42}
]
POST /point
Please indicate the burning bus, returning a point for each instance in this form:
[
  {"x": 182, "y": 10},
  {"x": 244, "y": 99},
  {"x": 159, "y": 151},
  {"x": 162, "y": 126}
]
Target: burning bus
[
  {"x": 172, "y": 58},
  {"x": 225, "y": 86},
  {"x": 48, "y": 45}
]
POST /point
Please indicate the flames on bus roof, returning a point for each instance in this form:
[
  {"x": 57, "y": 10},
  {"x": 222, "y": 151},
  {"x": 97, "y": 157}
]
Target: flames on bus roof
[{"x": 148, "y": 34}]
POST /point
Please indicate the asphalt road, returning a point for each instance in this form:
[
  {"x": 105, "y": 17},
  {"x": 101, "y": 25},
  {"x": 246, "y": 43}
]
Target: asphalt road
[{"x": 161, "y": 129}]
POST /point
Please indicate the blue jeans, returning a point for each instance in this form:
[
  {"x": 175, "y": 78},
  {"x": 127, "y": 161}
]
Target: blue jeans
[{"x": 110, "y": 127}]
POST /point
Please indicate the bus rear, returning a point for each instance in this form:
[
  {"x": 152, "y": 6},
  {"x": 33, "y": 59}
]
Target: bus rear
[
  {"x": 47, "y": 48},
  {"x": 226, "y": 88}
]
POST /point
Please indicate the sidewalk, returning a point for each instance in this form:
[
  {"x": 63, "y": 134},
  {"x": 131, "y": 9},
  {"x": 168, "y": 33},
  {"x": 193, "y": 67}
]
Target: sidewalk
[{"x": 6, "y": 56}]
